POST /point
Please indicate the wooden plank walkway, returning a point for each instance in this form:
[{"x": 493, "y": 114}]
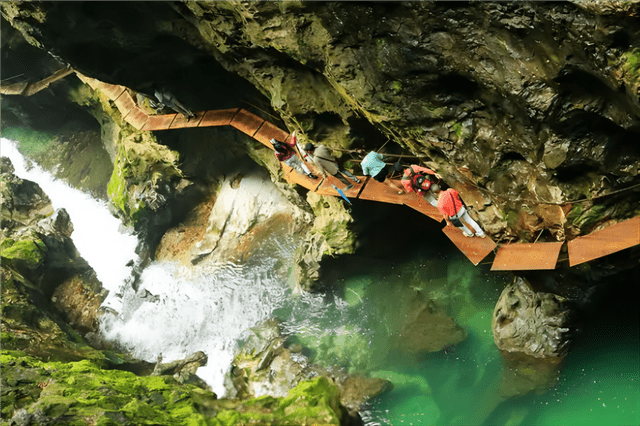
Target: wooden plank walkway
[{"x": 509, "y": 257}]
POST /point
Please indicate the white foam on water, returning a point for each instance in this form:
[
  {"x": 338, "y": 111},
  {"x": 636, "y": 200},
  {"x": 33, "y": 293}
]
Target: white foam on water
[{"x": 205, "y": 309}]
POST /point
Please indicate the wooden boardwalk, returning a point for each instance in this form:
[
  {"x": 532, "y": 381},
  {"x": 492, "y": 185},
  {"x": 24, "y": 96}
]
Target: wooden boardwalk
[{"x": 509, "y": 257}]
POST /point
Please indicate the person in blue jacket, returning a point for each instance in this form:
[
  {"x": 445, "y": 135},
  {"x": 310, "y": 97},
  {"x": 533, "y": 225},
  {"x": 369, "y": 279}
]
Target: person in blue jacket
[{"x": 373, "y": 165}]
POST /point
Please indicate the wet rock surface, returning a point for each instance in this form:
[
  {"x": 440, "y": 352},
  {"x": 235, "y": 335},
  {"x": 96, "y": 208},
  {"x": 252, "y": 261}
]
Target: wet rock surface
[
  {"x": 537, "y": 324},
  {"x": 330, "y": 235},
  {"x": 184, "y": 370},
  {"x": 268, "y": 365},
  {"x": 36, "y": 241},
  {"x": 533, "y": 331}
]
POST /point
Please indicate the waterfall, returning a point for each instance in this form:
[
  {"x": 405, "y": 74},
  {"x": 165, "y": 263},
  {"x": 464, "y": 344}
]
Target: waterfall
[
  {"x": 96, "y": 232},
  {"x": 176, "y": 310}
]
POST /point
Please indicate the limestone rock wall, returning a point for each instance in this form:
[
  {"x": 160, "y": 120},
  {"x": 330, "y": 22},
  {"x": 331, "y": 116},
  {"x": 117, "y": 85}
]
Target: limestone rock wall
[{"x": 522, "y": 107}]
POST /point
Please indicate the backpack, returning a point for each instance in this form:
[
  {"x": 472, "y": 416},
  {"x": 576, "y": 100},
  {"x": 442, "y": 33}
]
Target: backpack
[{"x": 419, "y": 180}]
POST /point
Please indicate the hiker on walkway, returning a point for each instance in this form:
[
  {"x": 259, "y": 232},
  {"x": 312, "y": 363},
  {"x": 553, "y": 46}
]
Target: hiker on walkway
[
  {"x": 167, "y": 99},
  {"x": 327, "y": 163},
  {"x": 454, "y": 211},
  {"x": 286, "y": 154},
  {"x": 373, "y": 165},
  {"x": 416, "y": 179}
]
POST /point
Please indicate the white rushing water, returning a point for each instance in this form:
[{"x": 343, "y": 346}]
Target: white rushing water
[
  {"x": 203, "y": 309},
  {"x": 175, "y": 311},
  {"x": 96, "y": 232}
]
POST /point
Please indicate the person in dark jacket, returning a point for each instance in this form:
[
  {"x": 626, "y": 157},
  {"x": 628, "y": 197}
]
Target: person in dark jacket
[
  {"x": 327, "y": 164},
  {"x": 167, "y": 99}
]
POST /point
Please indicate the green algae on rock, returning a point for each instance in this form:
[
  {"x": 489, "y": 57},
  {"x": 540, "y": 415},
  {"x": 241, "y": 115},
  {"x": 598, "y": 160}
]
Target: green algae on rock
[
  {"x": 29, "y": 250},
  {"x": 72, "y": 393}
]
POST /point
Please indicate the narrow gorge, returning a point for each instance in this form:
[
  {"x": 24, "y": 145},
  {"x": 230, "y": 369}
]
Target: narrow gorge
[{"x": 178, "y": 276}]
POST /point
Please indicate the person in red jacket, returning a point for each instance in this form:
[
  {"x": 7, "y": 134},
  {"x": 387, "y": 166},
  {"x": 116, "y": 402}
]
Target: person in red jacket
[
  {"x": 415, "y": 179},
  {"x": 454, "y": 211},
  {"x": 286, "y": 154}
]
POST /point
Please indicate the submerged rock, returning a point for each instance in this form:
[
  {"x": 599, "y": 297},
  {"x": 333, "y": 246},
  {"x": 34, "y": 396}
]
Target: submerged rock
[{"x": 429, "y": 329}]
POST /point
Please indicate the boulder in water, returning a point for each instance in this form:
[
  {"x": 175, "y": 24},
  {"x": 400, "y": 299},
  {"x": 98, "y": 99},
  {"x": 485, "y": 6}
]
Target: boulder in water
[
  {"x": 532, "y": 331},
  {"x": 536, "y": 324},
  {"x": 184, "y": 370},
  {"x": 266, "y": 366}
]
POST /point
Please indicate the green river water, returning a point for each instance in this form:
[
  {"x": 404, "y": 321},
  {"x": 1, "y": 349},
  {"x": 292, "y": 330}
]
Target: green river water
[{"x": 357, "y": 325}]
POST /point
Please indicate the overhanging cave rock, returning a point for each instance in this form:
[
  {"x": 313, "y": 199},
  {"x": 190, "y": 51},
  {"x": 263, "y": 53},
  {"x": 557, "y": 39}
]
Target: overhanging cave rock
[{"x": 522, "y": 107}]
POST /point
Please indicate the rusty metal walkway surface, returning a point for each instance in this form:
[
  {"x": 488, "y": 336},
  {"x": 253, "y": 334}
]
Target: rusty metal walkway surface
[
  {"x": 508, "y": 257},
  {"x": 606, "y": 241},
  {"x": 528, "y": 256}
]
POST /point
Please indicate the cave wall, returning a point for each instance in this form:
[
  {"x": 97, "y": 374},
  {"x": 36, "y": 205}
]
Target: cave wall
[{"x": 522, "y": 107}]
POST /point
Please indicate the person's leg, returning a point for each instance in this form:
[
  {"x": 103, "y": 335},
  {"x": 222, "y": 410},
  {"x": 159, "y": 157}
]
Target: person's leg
[
  {"x": 291, "y": 162},
  {"x": 467, "y": 219},
  {"x": 465, "y": 230},
  {"x": 299, "y": 166},
  {"x": 344, "y": 180},
  {"x": 350, "y": 175},
  {"x": 382, "y": 177},
  {"x": 303, "y": 166},
  {"x": 431, "y": 199}
]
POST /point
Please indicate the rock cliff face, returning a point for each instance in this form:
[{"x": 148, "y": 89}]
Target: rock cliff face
[{"x": 524, "y": 107}]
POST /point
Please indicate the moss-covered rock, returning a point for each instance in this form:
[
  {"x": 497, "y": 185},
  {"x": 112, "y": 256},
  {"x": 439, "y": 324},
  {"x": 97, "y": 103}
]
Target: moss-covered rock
[
  {"x": 270, "y": 364},
  {"x": 23, "y": 202},
  {"x": 29, "y": 251},
  {"x": 73, "y": 393},
  {"x": 141, "y": 171}
]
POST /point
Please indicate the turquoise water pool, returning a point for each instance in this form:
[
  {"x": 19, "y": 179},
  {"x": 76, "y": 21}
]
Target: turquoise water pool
[{"x": 358, "y": 322}]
